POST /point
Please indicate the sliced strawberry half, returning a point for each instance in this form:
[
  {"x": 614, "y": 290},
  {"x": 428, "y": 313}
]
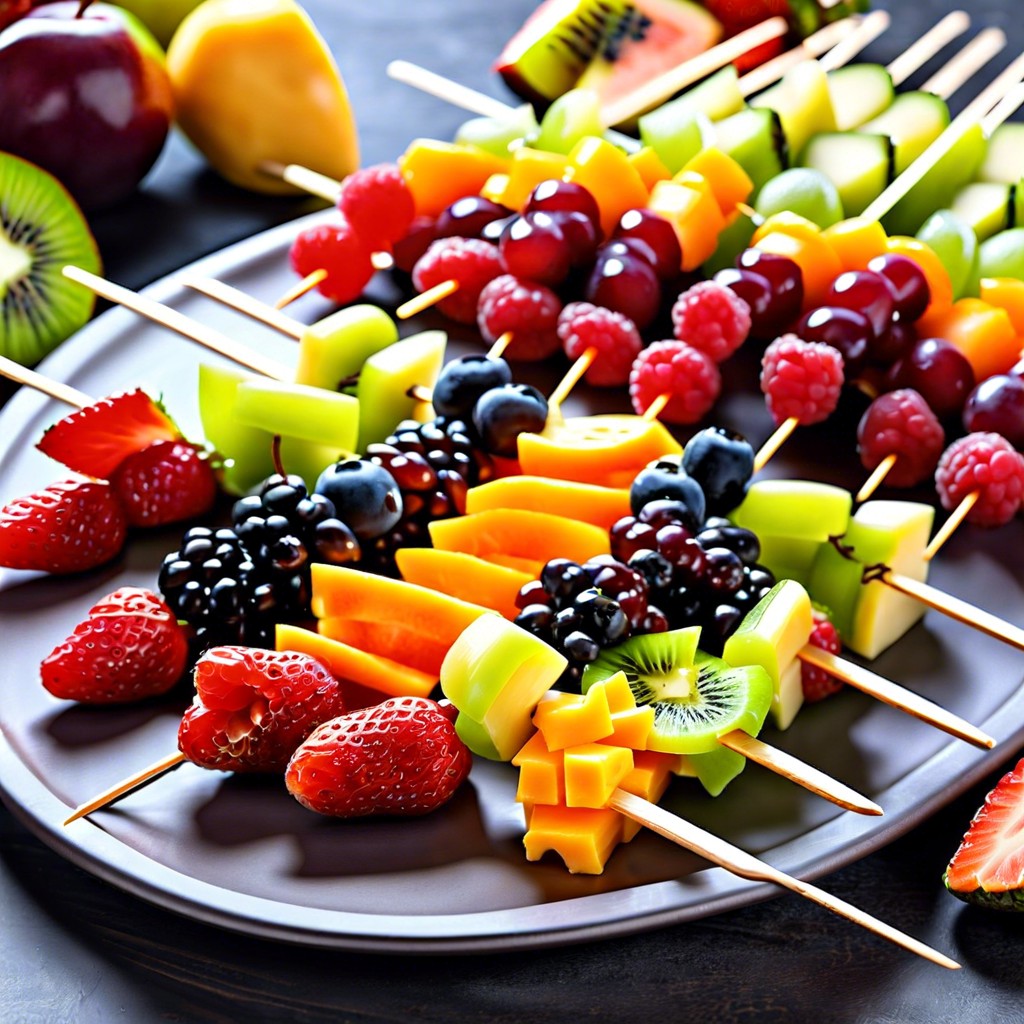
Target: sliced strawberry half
[
  {"x": 988, "y": 868},
  {"x": 97, "y": 439}
]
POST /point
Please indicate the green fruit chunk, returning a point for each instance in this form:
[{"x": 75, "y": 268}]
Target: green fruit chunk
[
  {"x": 696, "y": 698},
  {"x": 859, "y": 92},
  {"x": 731, "y": 242},
  {"x": 1002, "y": 255},
  {"x": 986, "y": 207},
  {"x": 499, "y": 135},
  {"x": 334, "y": 349},
  {"x": 754, "y": 139},
  {"x": 803, "y": 103},
  {"x": 859, "y": 165},
  {"x": 296, "y": 410},
  {"x": 789, "y": 558},
  {"x": 676, "y": 133},
  {"x": 41, "y": 230},
  {"x": 1004, "y": 161},
  {"x": 572, "y": 117},
  {"x": 956, "y": 245},
  {"x": 800, "y": 509},
  {"x": 386, "y": 379},
  {"x": 913, "y": 122},
  {"x": 715, "y": 770},
  {"x": 803, "y": 191},
  {"x": 770, "y": 636}
]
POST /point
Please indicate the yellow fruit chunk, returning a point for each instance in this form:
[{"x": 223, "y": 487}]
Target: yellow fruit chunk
[
  {"x": 605, "y": 172},
  {"x": 593, "y": 771},
  {"x": 520, "y": 533},
  {"x": 526, "y": 170},
  {"x": 1006, "y": 293},
  {"x": 605, "y": 450},
  {"x": 816, "y": 259},
  {"x": 569, "y": 719},
  {"x": 541, "y": 773},
  {"x": 254, "y": 82},
  {"x": 651, "y": 774},
  {"x": 787, "y": 223},
  {"x": 983, "y": 333},
  {"x": 649, "y": 166},
  {"x": 388, "y": 639},
  {"x": 371, "y": 670},
  {"x": 587, "y": 503},
  {"x": 730, "y": 183},
  {"x": 856, "y": 241},
  {"x": 694, "y": 215},
  {"x": 631, "y": 727},
  {"x": 582, "y": 836},
  {"x": 617, "y": 691},
  {"x": 438, "y": 173},
  {"x": 494, "y": 188}
]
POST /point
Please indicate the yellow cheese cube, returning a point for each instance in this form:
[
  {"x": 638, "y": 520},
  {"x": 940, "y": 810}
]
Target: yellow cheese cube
[
  {"x": 583, "y": 837},
  {"x": 593, "y": 771},
  {"x": 541, "y": 775},
  {"x": 570, "y": 722},
  {"x": 649, "y": 779}
]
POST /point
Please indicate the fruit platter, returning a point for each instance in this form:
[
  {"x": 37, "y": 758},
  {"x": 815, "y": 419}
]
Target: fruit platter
[{"x": 238, "y": 851}]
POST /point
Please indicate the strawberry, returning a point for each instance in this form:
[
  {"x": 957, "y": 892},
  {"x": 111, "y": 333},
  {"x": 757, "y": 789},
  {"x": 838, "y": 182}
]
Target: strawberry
[
  {"x": 129, "y": 647},
  {"x": 97, "y": 439},
  {"x": 816, "y": 682},
  {"x": 254, "y": 707},
  {"x": 165, "y": 482},
  {"x": 400, "y": 757},
  {"x": 71, "y": 526},
  {"x": 988, "y": 868}
]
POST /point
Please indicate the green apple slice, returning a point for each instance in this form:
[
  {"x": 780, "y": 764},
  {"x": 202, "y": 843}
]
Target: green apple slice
[
  {"x": 754, "y": 139},
  {"x": 801, "y": 509},
  {"x": 859, "y": 165},
  {"x": 388, "y": 377},
  {"x": 913, "y": 122},
  {"x": 859, "y": 92},
  {"x": 987, "y": 207},
  {"x": 956, "y": 245},
  {"x": 334, "y": 349},
  {"x": 1004, "y": 161},
  {"x": 803, "y": 102}
]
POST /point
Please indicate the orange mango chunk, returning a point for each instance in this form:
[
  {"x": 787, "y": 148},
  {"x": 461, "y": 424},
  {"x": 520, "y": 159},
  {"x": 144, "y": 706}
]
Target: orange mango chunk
[
  {"x": 695, "y": 216},
  {"x": 649, "y": 166},
  {"x": 939, "y": 285},
  {"x": 541, "y": 773},
  {"x": 494, "y": 187},
  {"x": 526, "y": 170},
  {"x": 388, "y": 639},
  {"x": 982, "y": 332},
  {"x": 631, "y": 727},
  {"x": 438, "y": 173},
  {"x": 593, "y": 771},
  {"x": 730, "y": 183},
  {"x": 586, "y": 503},
  {"x": 856, "y": 241},
  {"x": 465, "y": 577},
  {"x": 584, "y": 837},
  {"x": 816, "y": 259},
  {"x": 569, "y": 719},
  {"x": 521, "y": 533},
  {"x": 605, "y": 172},
  {"x": 1006, "y": 293},
  {"x": 390, "y": 678}
]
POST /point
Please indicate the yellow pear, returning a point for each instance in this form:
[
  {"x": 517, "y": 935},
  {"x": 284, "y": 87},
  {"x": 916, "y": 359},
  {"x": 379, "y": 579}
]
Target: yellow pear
[{"x": 254, "y": 81}]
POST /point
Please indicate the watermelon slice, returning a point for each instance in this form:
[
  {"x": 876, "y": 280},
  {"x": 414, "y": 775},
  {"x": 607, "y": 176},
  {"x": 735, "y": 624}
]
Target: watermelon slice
[{"x": 988, "y": 868}]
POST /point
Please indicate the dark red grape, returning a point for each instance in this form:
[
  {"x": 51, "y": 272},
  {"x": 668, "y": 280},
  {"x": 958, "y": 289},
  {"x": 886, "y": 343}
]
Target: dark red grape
[
  {"x": 468, "y": 216},
  {"x": 657, "y": 235},
  {"x": 756, "y": 291},
  {"x": 407, "y": 251},
  {"x": 844, "y": 329},
  {"x": 997, "y": 405},
  {"x": 533, "y": 246},
  {"x": 580, "y": 234},
  {"x": 894, "y": 344},
  {"x": 626, "y": 284},
  {"x": 867, "y": 293},
  {"x": 664, "y": 512},
  {"x": 555, "y": 195},
  {"x": 785, "y": 278},
  {"x": 533, "y": 592},
  {"x": 723, "y": 571},
  {"x": 629, "y": 536},
  {"x": 939, "y": 371},
  {"x": 907, "y": 281}
]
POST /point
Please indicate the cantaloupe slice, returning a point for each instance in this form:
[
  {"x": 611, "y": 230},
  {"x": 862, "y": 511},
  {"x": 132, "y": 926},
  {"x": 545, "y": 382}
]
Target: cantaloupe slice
[
  {"x": 463, "y": 576},
  {"x": 587, "y": 503},
  {"x": 438, "y": 173},
  {"x": 392, "y": 640},
  {"x": 520, "y": 533},
  {"x": 373, "y": 671}
]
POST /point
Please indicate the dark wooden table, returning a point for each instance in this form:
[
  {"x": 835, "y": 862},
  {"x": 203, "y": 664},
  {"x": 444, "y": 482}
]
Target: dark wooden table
[{"x": 73, "y": 948}]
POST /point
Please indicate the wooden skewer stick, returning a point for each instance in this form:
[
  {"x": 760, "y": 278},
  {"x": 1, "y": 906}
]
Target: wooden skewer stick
[
  {"x": 310, "y": 181},
  {"x": 1003, "y": 110},
  {"x": 423, "y": 301},
  {"x": 243, "y": 302},
  {"x": 864, "y": 34},
  {"x": 307, "y": 284},
  {"x": 919, "y": 53},
  {"x": 126, "y": 786},
  {"x": 971, "y": 59},
  {"x": 895, "y": 695},
  {"x": 655, "y": 409},
  {"x": 181, "y": 324},
  {"x": 775, "y": 442},
  {"x": 745, "y": 865},
  {"x": 948, "y": 528},
  {"x": 653, "y": 92},
  {"x": 798, "y": 771},
  {"x": 878, "y": 474},
  {"x": 47, "y": 385},
  {"x": 572, "y": 377}
]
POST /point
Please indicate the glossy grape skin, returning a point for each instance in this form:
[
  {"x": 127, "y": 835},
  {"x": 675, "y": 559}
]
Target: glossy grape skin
[
  {"x": 785, "y": 278},
  {"x": 937, "y": 370},
  {"x": 467, "y": 217},
  {"x": 657, "y": 234},
  {"x": 907, "y": 282},
  {"x": 462, "y": 381},
  {"x": 722, "y": 463},
  {"x": 627, "y": 284},
  {"x": 554, "y": 195},
  {"x": 581, "y": 236},
  {"x": 845, "y": 329},
  {"x": 894, "y": 344},
  {"x": 668, "y": 480},
  {"x": 997, "y": 405},
  {"x": 756, "y": 291},
  {"x": 533, "y": 247},
  {"x": 867, "y": 293},
  {"x": 365, "y": 495}
]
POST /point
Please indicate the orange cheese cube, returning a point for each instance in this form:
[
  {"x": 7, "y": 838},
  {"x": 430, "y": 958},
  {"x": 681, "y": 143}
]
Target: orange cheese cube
[
  {"x": 438, "y": 173},
  {"x": 651, "y": 774},
  {"x": 649, "y": 166},
  {"x": 593, "y": 771},
  {"x": 567, "y": 720},
  {"x": 617, "y": 690},
  {"x": 584, "y": 837},
  {"x": 526, "y": 170},
  {"x": 541, "y": 773},
  {"x": 630, "y": 728},
  {"x": 605, "y": 172}
]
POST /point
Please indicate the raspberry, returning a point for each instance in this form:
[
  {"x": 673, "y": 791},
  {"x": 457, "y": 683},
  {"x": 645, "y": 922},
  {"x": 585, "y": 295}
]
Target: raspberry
[
  {"x": 339, "y": 250},
  {"x": 901, "y": 423},
  {"x": 471, "y": 262},
  {"x": 527, "y": 309},
  {"x": 377, "y": 202},
  {"x": 816, "y": 682},
  {"x": 678, "y": 369},
  {"x": 987, "y": 463},
  {"x": 583, "y": 325},
  {"x": 713, "y": 318},
  {"x": 801, "y": 379}
]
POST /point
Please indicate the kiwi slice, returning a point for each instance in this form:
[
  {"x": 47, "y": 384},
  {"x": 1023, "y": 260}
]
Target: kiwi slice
[
  {"x": 41, "y": 230},
  {"x": 696, "y": 698}
]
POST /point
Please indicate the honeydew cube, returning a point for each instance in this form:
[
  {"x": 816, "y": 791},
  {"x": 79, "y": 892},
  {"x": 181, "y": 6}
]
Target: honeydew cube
[
  {"x": 676, "y": 133},
  {"x": 789, "y": 558},
  {"x": 1004, "y": 159},
  {"x": 913, "y": 121},
  {"x": 388, "y": 376},
  {"x": 334, "y": 349},
  {"x": 574, "y": 721},
  {"x": 802, "y": 509},
  {"x": 541, "y": 773},
  {"x": 753, "y": 138},
  {"x": 770, "y": 635},
  {"x": 593, "y": 771},
  {"x": 298, "y": 410},
  {"x": 803, "y": 102},
  {"x": 584, "y": 837}
]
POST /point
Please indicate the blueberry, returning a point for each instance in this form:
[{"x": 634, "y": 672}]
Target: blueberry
[
  {"x": 722, "y": 462},
  {"x": 365, "y": 496},
  {"x": 666, "y": 479},
  {"x": 462, "y": 381},
  {"x": 503, "y": 413}
]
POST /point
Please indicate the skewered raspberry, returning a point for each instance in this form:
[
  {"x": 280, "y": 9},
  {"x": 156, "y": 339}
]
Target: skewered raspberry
[
  {"x": 583, "y": 325},
  {"x": 679, "y": 370},
  {"x": 986, "y": 463},
  {"x": 801, "y": 380},
  {"x": 712, "y": 318},
  {"x": 527, "y": 309},
  {"x": 338, "y": 249},
  {"x": 901, "y": 423},
  {"x": 818, "y": 684},
  {"x": 471, "y": 262},
  {"x": 377, "y": 202}
]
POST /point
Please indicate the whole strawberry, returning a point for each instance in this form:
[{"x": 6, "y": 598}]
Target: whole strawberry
[
  {"x": 253, "y": 707},
  {"x": 129, "y": 647},
  {"x": 165, "y": 482},
  {"x": 70, "y": 526},
  {"x": 400, "y": 757}
]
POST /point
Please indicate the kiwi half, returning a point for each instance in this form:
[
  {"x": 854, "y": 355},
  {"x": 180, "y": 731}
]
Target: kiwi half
[
  {"x": 41, "y": 230},
  {"x": 696, "y": 698}
]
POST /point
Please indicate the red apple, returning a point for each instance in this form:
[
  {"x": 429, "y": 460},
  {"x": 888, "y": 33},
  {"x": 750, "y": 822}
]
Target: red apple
[{"x": 94, "y": 103}]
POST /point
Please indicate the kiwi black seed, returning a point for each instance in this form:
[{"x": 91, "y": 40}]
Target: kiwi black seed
[
  {"x": 41, "y": 231},
  {"x": 696, "y": 697}
]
